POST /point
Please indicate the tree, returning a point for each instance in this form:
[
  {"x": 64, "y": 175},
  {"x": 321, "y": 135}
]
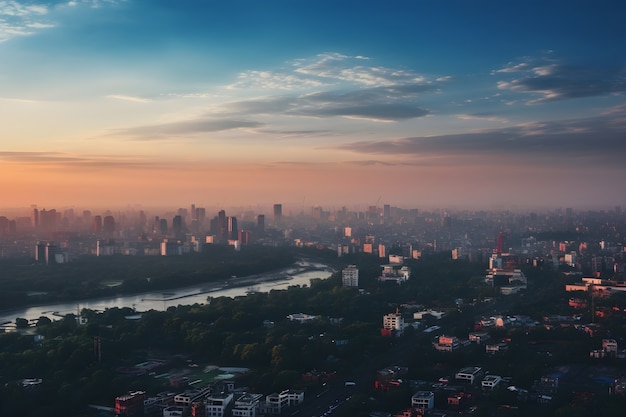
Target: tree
[
  {"x": 21, "y": 323},
  {"x": 43, "y": 321}
]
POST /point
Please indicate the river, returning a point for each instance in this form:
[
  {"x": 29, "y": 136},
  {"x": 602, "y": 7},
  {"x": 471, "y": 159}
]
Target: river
[{"x": 300, "y": 274}]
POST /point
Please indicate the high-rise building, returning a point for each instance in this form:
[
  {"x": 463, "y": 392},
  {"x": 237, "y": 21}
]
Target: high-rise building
[
  {"x": 48, "y": 220},
  {"x": 4, "y": 226},
  {"x": 260, "y": 223},
  {"x": 200, "y": 215},
  {"x": 162, "y": 226},
  {"x": 108, "y": 225},
  {"x": 244, "y": 237},
  {"x": 233, "y": 231},
  {"x": 45, "y": 252},
  {"x": 350, "y": 276},
  {"x": 222, "y": 227},
  {"x": 177, "y": 226},
  {"x": 97, "y": 224},
  {"x": 34, "y": 217},
  {"x": 278, "y": 211},
  {"x": 87, "y": 220}
]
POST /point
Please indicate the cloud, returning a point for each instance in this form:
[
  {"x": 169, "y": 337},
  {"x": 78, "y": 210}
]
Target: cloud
[
  {"x": 19, "y": 100},
  {"x": 482, "y": 116},
  {"x": 339, "y": 67},
  {"x": 19, "y": 19},
  {"x": 589, "y": 141},
  {"x": 389, "y": 103},
  {"x": 191, "y": 127},
  {"x": 296, "y": 133},
  {"x": 66, "y": 161},
  {"x": 129, "y": 98},
  {"x": 550, "y": 80},
  {"x": 267, "y": 80}
]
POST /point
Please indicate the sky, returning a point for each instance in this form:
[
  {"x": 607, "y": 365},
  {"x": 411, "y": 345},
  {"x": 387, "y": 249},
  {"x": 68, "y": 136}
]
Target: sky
[{"x": 415, "y": 103}]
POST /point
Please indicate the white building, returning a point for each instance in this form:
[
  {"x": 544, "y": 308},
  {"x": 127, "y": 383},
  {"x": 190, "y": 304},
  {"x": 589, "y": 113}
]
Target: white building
[
  {"x": 490, "y": 382},
  {"x": 215, "y": 404},
  {"x": 393, "y": 322},
  {"x": 301, "y": 317},
  {"x": 247, "y": 405},
  {"x": 423, "y": 400},
  {"x": 419, "y": 315},
  {"x": 470, "y": 374},
  {"x": 395, "y": 272},
  {"x": 174, "y": 411},
  {"x": 350, "y": 276},
  {"x": 275, "y": 403},
  {"x": 187, "y": 397}
]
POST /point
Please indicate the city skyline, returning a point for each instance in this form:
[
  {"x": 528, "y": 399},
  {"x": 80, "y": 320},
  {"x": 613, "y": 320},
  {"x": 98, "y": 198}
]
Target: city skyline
[{"x": 416, "y": 104}]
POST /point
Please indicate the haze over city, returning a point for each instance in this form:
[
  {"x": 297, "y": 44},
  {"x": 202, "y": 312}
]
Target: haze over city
[{"x": 430, "y": 103}]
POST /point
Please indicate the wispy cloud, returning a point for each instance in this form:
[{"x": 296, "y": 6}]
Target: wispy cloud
[
  {"x": 20, "y": 19},
  {"x": 268, "y": 80},
  {"x": 482, "y": 116},
  {"x": 19, "y": 100},
  {"x": 65, "y": 161},
  {"x": 593, "y": 140},
  {"x": 339, "y": 67},
  {"x": 388, "y": 103},
  {"x": 185, "y": 128},
  {"x": 25, "y": 18},
  {"x": 128, "y": 98},
  {"x": 551, "y": 80}
]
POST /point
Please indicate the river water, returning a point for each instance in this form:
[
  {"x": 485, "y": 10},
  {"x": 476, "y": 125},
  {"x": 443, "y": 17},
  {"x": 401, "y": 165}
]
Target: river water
[{"x": 300, "y": 274}]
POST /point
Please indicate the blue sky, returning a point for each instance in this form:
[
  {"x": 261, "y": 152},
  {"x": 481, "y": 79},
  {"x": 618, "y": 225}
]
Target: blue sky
[{"x": 421, "y": 102}]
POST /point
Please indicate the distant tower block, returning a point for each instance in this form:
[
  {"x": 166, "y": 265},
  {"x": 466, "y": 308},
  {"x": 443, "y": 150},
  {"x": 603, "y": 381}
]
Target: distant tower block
[
  {"x": 499, "y": 243},
  {"x": 278, "y": 211}
]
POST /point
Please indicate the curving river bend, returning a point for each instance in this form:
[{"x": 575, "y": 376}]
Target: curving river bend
[{"x": 300, "y": 274}]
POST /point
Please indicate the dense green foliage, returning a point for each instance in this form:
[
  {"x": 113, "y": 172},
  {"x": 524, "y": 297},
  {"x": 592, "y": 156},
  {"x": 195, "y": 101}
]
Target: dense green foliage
[
  {"x": 237, "y": 332},
  {"x": 89, "y": 276}
]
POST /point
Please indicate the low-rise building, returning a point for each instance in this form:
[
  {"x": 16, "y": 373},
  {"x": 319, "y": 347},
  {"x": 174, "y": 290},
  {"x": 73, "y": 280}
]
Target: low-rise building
[
  {"x": 479, "y": 337},
  {"x": 275, "y": 403},
  {"x": 446, "y": 343},
  {"x": 175, "y": 411},
  {"x": 301, "y": 317},
  {"x": 423, "y": 400},
  {"x": 247, "y": 405},
  {"x": 216, "y": 404},
  {"x": 490, "y": 382},
  {"x": 470, "y": 374},
  {"x": 187, "y": 397},
  {"x": 395, "y": 272},
  {"x": 130, "y": 404},
  {"x": 419, "y": 315},
  {"x": 496, "y": 348}
]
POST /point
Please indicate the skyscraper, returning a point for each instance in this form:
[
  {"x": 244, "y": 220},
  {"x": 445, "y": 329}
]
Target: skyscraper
[
  {"x": 108, "y": 225},
  {"x": 260, "y": 223},
  {"x": 97, "y": 224},
  {"x": 278, "y": 211},
  {"x": 222, "y": 227},
  {"x": 233, "y": 231},
  {"x": 177, "y": 226}
]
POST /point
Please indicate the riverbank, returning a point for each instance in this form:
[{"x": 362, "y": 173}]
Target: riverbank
[
  {"x": 240, "y": 282},
  {"x": 301, "y": 273}
]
